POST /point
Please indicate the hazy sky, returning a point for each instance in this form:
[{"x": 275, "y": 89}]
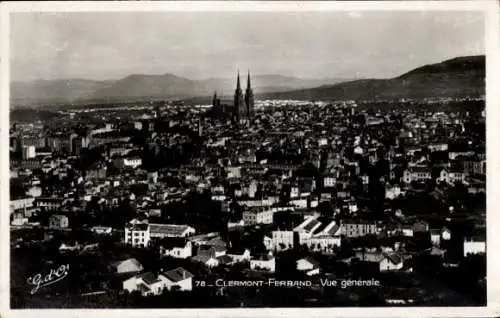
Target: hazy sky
[{"x": 214, "y": 44}]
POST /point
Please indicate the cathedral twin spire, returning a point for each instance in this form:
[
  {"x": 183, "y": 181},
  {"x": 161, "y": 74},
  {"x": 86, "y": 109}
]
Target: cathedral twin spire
[
  {"x": 238, "y": 86},
  {"x": 243, "y": 107}
]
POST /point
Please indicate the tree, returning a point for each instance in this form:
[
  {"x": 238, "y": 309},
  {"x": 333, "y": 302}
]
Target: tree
[{"x": 325, "y": 209}]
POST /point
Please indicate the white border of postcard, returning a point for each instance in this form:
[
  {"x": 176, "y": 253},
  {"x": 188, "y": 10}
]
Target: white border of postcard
[{"x": 491, "y": 10}]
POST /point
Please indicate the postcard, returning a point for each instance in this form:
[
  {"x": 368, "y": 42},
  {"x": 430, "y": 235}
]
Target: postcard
[{"x": 250, "y": 158}]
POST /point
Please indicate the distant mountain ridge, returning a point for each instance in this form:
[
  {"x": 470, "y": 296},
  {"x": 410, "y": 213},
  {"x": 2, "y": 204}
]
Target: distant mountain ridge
[
  {"x": 67, "y": 89},
  {"x": 461, "y": 76},
  {"x": 138, "y": 86},
  {"x": 458, "y": 77}
]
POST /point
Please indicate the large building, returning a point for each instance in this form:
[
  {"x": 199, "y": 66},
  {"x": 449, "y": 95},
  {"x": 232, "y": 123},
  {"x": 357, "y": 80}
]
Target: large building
[
  {"x": 28, "y": 152},
  {"x": 240, "y": 110},
  {"x": 243, "y": 105},
  {"x": 249, "y": 101}
]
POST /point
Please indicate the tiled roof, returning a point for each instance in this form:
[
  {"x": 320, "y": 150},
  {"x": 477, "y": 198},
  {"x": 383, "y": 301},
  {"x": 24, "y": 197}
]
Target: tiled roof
[
  {"x": 370, "y": 256},
  {"x": 419, "y": 170},
  {"x": 436, "y": 251},
  {"x": 312, "y": 261},
  {"x": 394, "y": 258},
  {"x": 171, "y": 242},
  {"x": 132, "y": 261},
  {"x": 148, "y": 278},
  {"x": 201, "y": 258},
  {"x": 310, "y": 225},
  {"x": 177, "y": 274},
  {"x": 263, "y": 257},
  {"x": 138, "y": 227},
  {"x": 168, "y": 229},
  {"x": 143, "y": 288},
  {"x": 334, "y": 229},
  {"x": 225, "y": 259},
  {"x": 216, "y": 241},
  {"x": 58, "y": 216}
]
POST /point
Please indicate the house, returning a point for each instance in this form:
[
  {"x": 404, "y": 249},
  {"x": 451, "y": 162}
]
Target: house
[
  {"x": 306, "y": 229},
  {"x": 406, "y": 230},
  {"x": 211, "y": 250},
  {"x": 365, "y": 180},
  {"x": 235, "y": 225},
  {"x": 412, "y": 150},
  {"x": 358, "y": 150},
  {"x": 90, "y": 249},
  {"x": 435, "y": 237},
  {"x": 176, "y": 247},
  {"x": 369, "y": 255},
  {"x": 170, "y": 230},
  {"x": 146, "y": 283},
  {"x": 130, "y": 265},
  {"x": 438, "y": 146},
  {"x": 150, "y": 284},
  {"x": 58, "y": 221},
  {"x": 177, "y": 278},
  {"x": 225, "y": 260},
  {"x": 206, "y": 238},
  {"x": 309, "y": 266},
  {"x": 140, "y": 234},
  {"x": 269, "y": 242},
  {"x": 391, "y": 262},
  {"x": 137, "y": 234},
  {"x": 49, "y": 204},
  {"x": 21, "y": 203},
  {"x": 326, "y": 238},
  {"x": 452, "y": 155},
  {"x": 216, "y": 242},
  {"x": 132, "y": 162},
  {"x": 265, "y": 262},
  {"x": 280, "y": 240},
  {"x": 420, "y": 226},
  {"x": 445, "y": 234},
  {"x": 153, "y": 176},
  {"x": 18, "y": 218},
  {"x": 353, "y": 207},
  {"x": 102, "y": 230},
  {"x": 475, "y": 186},
  {"x": 34, "y": 192},
  {"x": 416, "y": 173},
  {"x": 207, "y": 260},
  {"x": 258, "y": 216},
  {"x": 357, "y": 228},
  {"x": 451, "y": 176},
  {"x": 294, "y": 192},
  {"x": 239, "y": 255},
  {"x": 392, "y": 192},
  {"x": 436, "y": 251},
  {"x": 329, "y": 181},
  {"x": 474, "y": 245},
  {"x": 475, "y": 166},
  {"x": 69, "y": 248},
  {"x": 323, "y": 243}
]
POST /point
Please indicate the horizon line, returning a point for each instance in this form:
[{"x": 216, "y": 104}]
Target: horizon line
[{"x": 355, "y": 77}]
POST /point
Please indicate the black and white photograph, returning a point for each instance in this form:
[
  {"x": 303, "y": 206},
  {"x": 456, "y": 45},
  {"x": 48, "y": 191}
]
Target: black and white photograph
[{"x": 229, "y": 158}]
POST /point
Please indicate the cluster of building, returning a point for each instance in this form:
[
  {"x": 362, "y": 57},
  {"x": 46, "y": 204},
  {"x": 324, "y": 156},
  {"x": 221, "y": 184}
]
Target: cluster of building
[
  {"x": 306, "y": 176},
  {"x": 243, "y": 108}
]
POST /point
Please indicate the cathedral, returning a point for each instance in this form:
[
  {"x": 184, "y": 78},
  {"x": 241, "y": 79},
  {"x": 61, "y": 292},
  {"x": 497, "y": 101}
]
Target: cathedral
[{"x": 243, "y": 106}]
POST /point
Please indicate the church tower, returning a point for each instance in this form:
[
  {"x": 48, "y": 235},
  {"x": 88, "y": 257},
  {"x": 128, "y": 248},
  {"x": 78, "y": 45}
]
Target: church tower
[
  {"x": 239, "y": 106},
  {"x": 215, "y": 100},
  {"x": 249, "y": 101}
]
